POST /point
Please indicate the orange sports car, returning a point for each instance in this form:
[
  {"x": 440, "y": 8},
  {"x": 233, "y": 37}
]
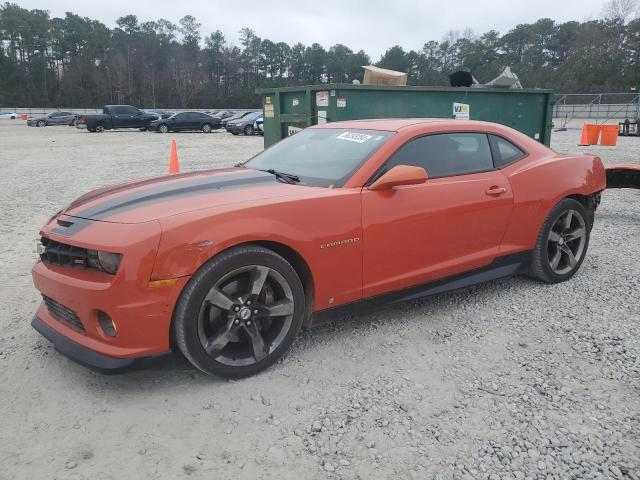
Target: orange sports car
[{"x": 227, "y": 265}]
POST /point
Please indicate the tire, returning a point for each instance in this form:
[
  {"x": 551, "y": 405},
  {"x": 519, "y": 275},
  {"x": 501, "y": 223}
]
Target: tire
[
  {"x": 91, "y": 130},
  {"x": 243, "y": 339},
  {"x": 99, "y": 128},
  {"x": 206, "y": 128},
  {"x": 248, "y": 130},
  {"x": 562, "y": 243},
  {"x": 143, "y": 129},
  {"x": 235, "y": 133},
  {"x": 163, "y": 128},
  {"x": 41, "y": 123}
]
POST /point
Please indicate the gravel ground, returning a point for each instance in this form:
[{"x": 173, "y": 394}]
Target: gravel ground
[{"x": 507, "y": 380}]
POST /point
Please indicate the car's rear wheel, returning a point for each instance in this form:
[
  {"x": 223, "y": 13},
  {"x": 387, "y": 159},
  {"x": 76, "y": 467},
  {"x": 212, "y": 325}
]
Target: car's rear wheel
[
  {"x": 163, "y": 128},
  {"x": 206, "y": 128},
  {"x": 248, "y": 130},
  {"x": 240, "y": 312},
  {"x": 562, "y": 242}
]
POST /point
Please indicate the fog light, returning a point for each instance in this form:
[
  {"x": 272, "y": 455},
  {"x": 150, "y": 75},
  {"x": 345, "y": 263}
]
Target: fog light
[{"x": 107, "y": 325}]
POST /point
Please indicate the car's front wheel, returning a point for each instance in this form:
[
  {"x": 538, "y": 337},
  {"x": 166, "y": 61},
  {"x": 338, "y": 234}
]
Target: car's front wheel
[
  {"x": 240, "y": 312},
  {"x": 206, "y": 128},
  {"x": 163, "y": 128},
  {"x": 41, "y": 123},
  {"x": 562, "y": 242},
  {"x": 248, "y": 130}
]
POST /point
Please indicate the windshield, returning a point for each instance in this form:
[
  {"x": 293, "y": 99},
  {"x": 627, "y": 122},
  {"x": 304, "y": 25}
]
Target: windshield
[
  {"x": 252, "y": 116},
  {"x": 324, "y": 157}
]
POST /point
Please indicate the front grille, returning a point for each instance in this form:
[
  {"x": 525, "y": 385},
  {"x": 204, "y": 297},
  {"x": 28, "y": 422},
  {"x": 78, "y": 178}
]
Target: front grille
[
  {"x": 64, "y": 314},
  {"x": 57, "y": 253}
]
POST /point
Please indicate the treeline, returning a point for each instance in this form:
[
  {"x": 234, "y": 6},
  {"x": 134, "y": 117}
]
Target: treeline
[{"x": 80, "y": 62}]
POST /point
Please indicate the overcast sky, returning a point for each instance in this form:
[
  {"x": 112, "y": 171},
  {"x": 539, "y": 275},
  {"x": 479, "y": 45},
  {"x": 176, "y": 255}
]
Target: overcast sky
[{"x": 371, "y": 25}]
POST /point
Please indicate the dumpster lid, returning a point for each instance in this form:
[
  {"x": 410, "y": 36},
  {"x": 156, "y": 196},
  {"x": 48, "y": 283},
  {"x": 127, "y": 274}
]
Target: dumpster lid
[{"x": 350, "y": 86}]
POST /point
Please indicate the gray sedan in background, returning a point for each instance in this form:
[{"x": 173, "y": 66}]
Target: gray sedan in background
[
  {"x": 245, "y": 124},
  {"x": 55, "y": 118}
]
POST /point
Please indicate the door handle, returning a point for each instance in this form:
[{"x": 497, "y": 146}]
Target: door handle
[{"x": 495, "y": 190}]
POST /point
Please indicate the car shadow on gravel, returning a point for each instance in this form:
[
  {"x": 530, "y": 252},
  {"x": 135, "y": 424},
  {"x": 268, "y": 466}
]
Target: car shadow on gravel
[{"x": 432, "y": 314}]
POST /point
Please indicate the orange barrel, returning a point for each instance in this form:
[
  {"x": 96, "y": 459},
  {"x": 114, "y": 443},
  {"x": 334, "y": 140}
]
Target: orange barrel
[
  {"x": 23, "y": 117},
  {"x": 593, "y": 132},
  {"x": 609, "y": 135}
]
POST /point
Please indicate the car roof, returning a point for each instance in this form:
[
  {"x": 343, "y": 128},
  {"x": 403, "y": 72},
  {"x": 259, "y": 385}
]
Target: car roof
[{"x": 397, "y": 124}]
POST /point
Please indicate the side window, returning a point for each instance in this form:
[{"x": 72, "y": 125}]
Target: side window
[
  {"x": 182, "y": 116},
  {"x": 504, "y": 151},
  {"x": 446, "y": 154}
]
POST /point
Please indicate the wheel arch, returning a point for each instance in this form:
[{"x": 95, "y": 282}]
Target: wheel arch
[
  {"x": 296, "y": 260},
  {"x": 589, "y": 202},
  {"x": 291, "y": 255}
]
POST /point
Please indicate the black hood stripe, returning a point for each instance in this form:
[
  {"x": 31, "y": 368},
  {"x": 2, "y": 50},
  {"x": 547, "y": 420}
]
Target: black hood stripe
[
  {"x": 102, "y": 192},
  {"x": 166, "y": 192}
]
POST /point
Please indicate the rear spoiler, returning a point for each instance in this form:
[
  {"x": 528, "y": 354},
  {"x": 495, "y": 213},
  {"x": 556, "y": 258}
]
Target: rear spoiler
[{"x": 623, "y": 175}]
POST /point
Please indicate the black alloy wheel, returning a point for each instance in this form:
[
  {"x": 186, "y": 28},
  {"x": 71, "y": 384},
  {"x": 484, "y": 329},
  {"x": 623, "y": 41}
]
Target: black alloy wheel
[
  {"x": 562, "y": 242},
  {"x": 240, "y": 312}
]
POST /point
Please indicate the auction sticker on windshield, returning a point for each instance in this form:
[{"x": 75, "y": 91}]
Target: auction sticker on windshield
[{"x": 354, "y": 137}]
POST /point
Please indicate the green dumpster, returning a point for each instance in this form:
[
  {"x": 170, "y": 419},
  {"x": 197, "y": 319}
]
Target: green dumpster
[{"x": 289, "y": 109}]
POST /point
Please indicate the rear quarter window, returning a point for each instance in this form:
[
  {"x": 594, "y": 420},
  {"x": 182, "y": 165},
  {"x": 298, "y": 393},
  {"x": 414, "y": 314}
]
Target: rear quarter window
[{"x": 505, "y": 152}]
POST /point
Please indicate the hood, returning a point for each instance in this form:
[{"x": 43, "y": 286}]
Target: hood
[{"x": 154, "y": 198}]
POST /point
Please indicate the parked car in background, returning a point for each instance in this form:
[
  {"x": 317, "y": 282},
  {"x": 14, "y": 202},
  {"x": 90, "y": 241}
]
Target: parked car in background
[
  {"x": 222, "y": 114},
  {"x": 117, "y": 116},
  {"x": 260, "y": 125},
  {"x": 160, "y": 113},
  {"x": 186, "y": 121},
  {"x": 55, "y": 118},
  {"x": 245, "y": 124},
  {"x": 8, "y": 115},
  {"x": 236, "y": 115}
]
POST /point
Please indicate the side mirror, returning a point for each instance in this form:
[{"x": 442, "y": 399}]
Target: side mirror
[{"x": 400, "y": 175}]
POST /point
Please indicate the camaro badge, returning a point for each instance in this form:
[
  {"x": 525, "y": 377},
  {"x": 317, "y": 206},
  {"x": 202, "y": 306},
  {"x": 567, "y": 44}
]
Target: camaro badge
[{"x": 337, "y": 243}]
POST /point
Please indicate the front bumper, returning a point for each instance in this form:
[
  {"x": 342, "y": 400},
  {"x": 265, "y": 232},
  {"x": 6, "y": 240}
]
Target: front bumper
[
  {"x": 141, "y": 314},
  {"x": 235, "y": 128},
  {"x": 86, "y": 357}
]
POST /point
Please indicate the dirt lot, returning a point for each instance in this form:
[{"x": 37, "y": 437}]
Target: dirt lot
[{"x": 508, "y": 380}]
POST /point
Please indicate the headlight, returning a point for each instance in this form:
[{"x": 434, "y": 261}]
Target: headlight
[{"x": 109, "y": 261}]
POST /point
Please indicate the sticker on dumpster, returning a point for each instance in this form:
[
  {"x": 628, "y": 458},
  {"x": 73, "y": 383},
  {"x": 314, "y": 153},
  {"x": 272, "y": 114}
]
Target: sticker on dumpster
[
  {"x": 341, "y": 102},
  {"x": 354, "y": 137},
  {"x": 333, "y": 93},
  {"x": 295, "y": 102},
  {"x": 292, "y": 130},
  {"x": 268, "y": 111},
  {"x": 460, "y": 111},
  {"x": 267, "y": 100},
  {"x": 322, "y": 99}
]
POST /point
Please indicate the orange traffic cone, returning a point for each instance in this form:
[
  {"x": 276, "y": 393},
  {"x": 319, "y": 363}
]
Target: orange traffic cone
[
  {"x": 174, "y": 166},
  {"x": 584, "y": 138}
]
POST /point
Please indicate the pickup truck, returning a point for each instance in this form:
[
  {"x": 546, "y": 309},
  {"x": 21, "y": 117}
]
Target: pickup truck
[{"x": 117, "y": 116}]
